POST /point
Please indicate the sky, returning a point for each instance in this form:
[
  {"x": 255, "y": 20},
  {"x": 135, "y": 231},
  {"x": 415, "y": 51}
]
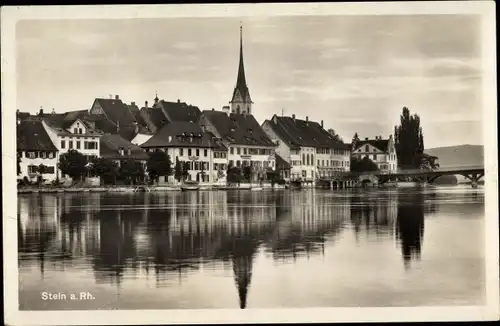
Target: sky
[{"x": 355, "y": 73}]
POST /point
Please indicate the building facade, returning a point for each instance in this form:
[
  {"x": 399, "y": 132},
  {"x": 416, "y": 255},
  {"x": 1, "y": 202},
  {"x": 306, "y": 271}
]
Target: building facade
[
  {"x": 311, "y": 150},
  {"x": 188, "y": 143},
  {"x": 381, "y": 151},
  {"x": 37, "y": 153}
]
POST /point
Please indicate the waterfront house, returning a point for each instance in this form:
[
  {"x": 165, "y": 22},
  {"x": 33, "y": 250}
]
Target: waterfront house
[
  {"x": 78, "y": 135},
  {"x": 38, "y": 154},
  {"x": 283, "y": 168},
  {"x": 188, "y": 142},
  {"x": 311, "y": 150},
  {"x": 117, "y": 148},
  {"x": 381, "y": 151}
]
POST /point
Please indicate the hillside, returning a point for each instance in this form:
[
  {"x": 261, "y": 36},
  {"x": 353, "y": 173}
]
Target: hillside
[{"x": 461, "y": 155}]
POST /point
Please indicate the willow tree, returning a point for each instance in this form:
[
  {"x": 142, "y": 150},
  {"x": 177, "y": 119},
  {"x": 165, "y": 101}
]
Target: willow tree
[{"x": 409, "y": 141}]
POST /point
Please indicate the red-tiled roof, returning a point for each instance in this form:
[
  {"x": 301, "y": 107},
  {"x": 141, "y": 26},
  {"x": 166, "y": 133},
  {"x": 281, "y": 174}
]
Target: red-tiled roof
[
  {"x": 110, "y": 146},
  {"x": 239, "y": 129},
  {"x": 302, "y": 133},
  {"x": 183, "y": 134},
  {"x": 180, "y": 111},
  {"x": 380, "y": 144},
  {"x": 31, "y": 136}
]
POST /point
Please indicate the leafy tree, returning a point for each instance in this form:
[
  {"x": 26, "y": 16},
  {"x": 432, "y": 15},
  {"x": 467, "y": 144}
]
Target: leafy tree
[
  {"x": 159, "y": 165},
  {"x": 234, "y": 175},
  {"x": 247, "y": 173},
  {"x": 355, "y": 141},
  {"x": 131, "y": 170},
  {"x": 429, "y": 162},
  {"x": 72, "y": 163},
  {"x": 104, "y": 168},
  {"x": 409, "y": 141},
  {"x": 363, "y": 165},
  {"x": 178, "y": 170},
  {"x": 186, "y": 166},
  {"x": 335, "y": 136},
  {"x": 272, "y": 176}
]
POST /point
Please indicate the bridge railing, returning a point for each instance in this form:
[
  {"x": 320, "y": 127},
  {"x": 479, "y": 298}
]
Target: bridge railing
[{"x": 351, "y": 174}]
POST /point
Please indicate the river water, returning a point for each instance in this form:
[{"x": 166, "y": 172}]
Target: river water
[{"x": 267, "y": 249}]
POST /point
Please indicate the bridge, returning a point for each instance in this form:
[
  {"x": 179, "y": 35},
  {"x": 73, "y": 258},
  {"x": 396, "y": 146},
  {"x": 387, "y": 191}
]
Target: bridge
[{"x": 346, "y": 179}]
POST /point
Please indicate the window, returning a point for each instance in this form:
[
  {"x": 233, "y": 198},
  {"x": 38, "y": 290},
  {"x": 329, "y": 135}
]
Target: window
[
  {"x": 374, "y": 157},
  {"x": 205, "y": 152},
  {"x": 63, "y": 144},
  {"x": 75, "y": 130},
  {"x": 207, "y": 166},
  {"x": 43, "y": 155},
  {"x": 238, "y": 163},
  {"x": 238, "y": 151},
  {"x": 181, "y": 152},
  {"x": 303, "y": 159},
  {"x": 51, "y": 155},
  {"x": 49, "y": 170},
  {"x": 231, "y": 162},
  {"x": 189, "y": 152},
  {"x": 80, "y": 131},
  {"x": 32, "y": 168},
  {"x": 77, "y": 145},
  {"x": 70, "y": 144},
  {"x": 322, "y": 162},
  {"x": 197, "y": 152},
  {"x": 245, "y": 151},
  {"x": 231, "y": 150},
  {"x": 367, "y": 148},
  {"x": 31, "y": 154}
]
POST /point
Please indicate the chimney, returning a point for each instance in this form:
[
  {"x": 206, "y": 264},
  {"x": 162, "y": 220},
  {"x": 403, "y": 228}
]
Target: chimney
[
  {"x": 146, "y": 103},
  {"x": 213, "y": 109},
  {"x": 321, "y": 123},
  {"x": 133, "y": 103},
  {"x": 41, "y": 112},
  {"x": 293, "y": 117},
  {"x": 226, "y": 109},
  {"x": 307, "y": 118},
  {"x": 53, "y": 111},
  {"x": 117, "y": 97},
  {"x": 178, "y": 101},
  {"x": 366, "y": 138}
]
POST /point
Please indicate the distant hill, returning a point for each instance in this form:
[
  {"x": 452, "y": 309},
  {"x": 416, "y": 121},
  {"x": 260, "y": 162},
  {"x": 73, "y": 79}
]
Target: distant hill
[
  {"x": 461, "y": 155},
  {"x": 455, "y": 156}
]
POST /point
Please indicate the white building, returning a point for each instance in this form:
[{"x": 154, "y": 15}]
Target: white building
[
  {"x": 381, "y": 151},
  {"x": 77, "y": 135},
  {"x": 38, "y": 154},
  {"x": 311, "y": 151},
  {"x": 187, "y": 142}
]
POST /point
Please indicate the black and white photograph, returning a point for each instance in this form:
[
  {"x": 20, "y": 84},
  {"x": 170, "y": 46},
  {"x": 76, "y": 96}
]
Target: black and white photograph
[{"x": 250, "y": 163}]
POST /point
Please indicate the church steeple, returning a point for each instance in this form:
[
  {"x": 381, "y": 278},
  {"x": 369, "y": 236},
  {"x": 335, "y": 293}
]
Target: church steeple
[{"x": 241, "y": 101}]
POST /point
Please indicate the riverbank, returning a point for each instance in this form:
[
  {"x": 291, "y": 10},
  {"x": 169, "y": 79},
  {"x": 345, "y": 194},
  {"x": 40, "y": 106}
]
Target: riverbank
[{"x": 140, "y": 188}]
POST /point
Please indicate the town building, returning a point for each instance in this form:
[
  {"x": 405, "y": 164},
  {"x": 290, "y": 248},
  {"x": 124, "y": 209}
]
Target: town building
[
  {"x": 381, "y": 151},
  {"x": 38, "y": 154},
  {"x": 117, "y": 148},
  {"x": 163, "y": 112},
  {"x": 188, "y": 142},
  {"x": 311, "y": 150},
  {"x": 248, "y": 144}
]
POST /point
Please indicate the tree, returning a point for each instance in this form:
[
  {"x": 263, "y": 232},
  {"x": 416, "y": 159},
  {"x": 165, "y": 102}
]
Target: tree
[
  {"x": 355, "y": 141},
  {"x": 429, "y": 162},
  {"x": 336, "y": 137},
  {"x": 234, "y": 175},
  {"x": 409, "y": 141},
  {"x": 131, "y": 170},
  {"x": 103, "y": 168},
  {"x": 272, "y": 176},
  {"x": 72, "y": 163},
  {"x": 363, "y": 165},
  {"x": 159, "y": 165},
  {"x": 247, "y": 173},
  {"x": 186, "y": 166},
  {"x": 178, "y": 170}
]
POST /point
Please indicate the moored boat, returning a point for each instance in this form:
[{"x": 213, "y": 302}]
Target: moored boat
[{"x": 190, "y": 185}]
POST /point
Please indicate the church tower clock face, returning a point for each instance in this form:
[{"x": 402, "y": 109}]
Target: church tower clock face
[{"x": 241, "y": 101}]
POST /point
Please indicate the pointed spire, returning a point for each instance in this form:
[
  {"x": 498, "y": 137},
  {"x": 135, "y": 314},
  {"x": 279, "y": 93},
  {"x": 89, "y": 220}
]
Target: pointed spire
[{"x": 241, "y": 82}]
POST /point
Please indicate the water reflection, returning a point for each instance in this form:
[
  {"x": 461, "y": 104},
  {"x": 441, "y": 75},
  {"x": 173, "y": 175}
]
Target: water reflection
[{"x": 170, "y": 236}]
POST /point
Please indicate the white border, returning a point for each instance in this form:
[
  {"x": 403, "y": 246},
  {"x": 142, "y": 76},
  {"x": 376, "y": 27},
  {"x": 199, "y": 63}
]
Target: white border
[{"x": 9, "y": 17}]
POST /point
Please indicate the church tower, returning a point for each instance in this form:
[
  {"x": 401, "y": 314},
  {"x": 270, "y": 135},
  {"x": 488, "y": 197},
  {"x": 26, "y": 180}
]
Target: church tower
[{"x": 241, "y": 101}]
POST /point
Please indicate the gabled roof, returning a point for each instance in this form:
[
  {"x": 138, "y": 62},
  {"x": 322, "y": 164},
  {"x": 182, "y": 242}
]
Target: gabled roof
[
  {"x": 238, "y": 129},
  {"x": 380, "y": 144},
  {"x": 115, "y": 110},
  {"x": 134, "y": 109},
  {"x": 110, "y": 148},
  {"x": 301, "y": 133},
  {"x": 281, "y": 163},
  {"x": 31, "y": 136},
  {"x": 182, "y": 134},
  {"x": 180, "y": 111}
]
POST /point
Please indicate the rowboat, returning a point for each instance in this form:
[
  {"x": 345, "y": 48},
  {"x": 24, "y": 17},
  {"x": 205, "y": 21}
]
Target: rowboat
[{"x": 190, "y": 185}]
